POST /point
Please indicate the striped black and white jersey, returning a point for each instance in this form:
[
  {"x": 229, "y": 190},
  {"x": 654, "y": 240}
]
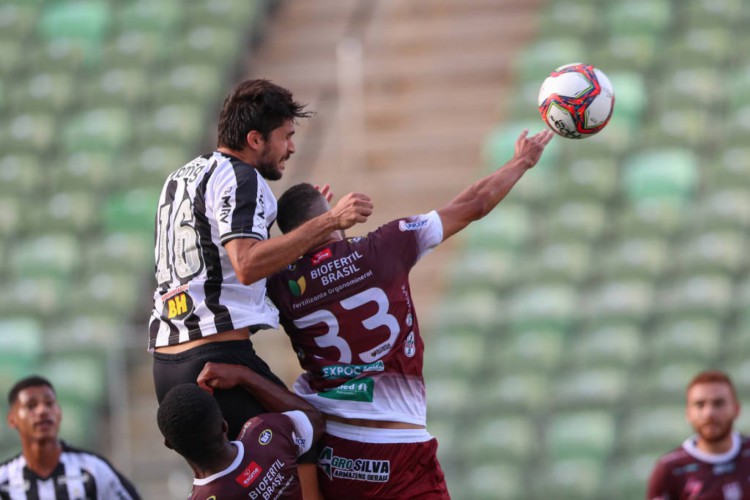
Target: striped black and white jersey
[
  {"x": 203, "y": 205},
  {"x": 80, "y": 475}
]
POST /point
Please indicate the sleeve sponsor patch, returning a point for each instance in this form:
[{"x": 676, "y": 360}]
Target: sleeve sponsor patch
[{"x": 412, "y": 225}]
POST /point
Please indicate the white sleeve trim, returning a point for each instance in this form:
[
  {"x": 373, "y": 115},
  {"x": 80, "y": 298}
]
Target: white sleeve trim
[
  {"x": 303, "y": 430},
  {"x": 428, "y": 229}
]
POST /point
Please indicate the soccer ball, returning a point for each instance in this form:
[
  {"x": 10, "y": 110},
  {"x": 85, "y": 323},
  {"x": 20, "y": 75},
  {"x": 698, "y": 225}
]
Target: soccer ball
[{"x": 576, "y": 100}]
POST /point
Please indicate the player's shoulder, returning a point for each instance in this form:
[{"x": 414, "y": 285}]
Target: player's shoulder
[
  {"x": 10, "y": 461},
  {"x": 86, "y": 455},
  {"x": 673, "y": 458}
]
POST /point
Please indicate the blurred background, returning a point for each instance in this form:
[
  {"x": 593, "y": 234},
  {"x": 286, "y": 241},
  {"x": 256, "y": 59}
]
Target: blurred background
[{"x": 560, "y": 331}]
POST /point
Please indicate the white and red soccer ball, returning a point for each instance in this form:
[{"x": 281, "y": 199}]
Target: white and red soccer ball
[{"x": 576, "y": 100}]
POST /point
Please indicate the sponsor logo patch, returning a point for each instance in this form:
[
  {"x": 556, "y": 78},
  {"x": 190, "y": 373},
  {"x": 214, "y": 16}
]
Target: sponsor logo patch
[
  {"x": 249, "y": 475},
  {"x": 357, "y": 390},
  {"x": 412, "y": 225},
  {"x": 321, "y": 256},
  {"x": 177, "y": 306},
  {"x": 410, "y": 345},
  {"x": 357, "y": 469},
  {"x": 265, "y": 437},
  {"x": 297, "y": 287},
  {"x": 351, "y": 371}
]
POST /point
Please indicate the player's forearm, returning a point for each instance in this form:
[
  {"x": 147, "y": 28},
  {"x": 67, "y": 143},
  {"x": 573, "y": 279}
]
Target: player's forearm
[
  {"x": 270, "y": 256},
  {"x": 270, "y": 395},
  {"x": 481, "y": 198}
]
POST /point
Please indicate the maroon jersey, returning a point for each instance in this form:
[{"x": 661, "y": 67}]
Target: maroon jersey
[
  {"x": 348, "y": 310},
  {"x": 689, "y": 473},
  {"x": 266, "y": 463}
]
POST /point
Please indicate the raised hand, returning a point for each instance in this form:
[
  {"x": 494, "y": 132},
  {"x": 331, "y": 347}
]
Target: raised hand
[
  {"x": 530, "y": 149},
  {"x": 351, "y": 209}
]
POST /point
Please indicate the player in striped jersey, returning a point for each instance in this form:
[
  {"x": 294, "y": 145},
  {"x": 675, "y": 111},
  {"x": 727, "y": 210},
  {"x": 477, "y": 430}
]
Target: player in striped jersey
[
  {"x": 714, "y": 464},
  {"x": 48, "y": 468},
  {"x": 347, "y": 308},
  {"x": 213, "y": 249}
]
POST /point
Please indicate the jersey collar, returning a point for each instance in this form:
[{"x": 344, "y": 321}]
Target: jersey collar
[
  {"x": 690, "y": 447},
  {"x": 236, "y": 463}
]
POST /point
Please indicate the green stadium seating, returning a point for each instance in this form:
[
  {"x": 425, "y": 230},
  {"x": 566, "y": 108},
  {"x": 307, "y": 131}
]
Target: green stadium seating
[
  {"x": 626, "y": 300},
  {"x": 54, "y": 254},
  {"x": 575, "y": 221},
  {"x": 89, "y": 171},
  {"x": 29, "y": 132},
  {"x": 703, "y": 295},
  {"x": 585, "y": 388},
  {"x": 70, "y": 211},
  {"x": 541, "y": 305},
  {"x": 492, "y": 481},
  {"x": 99, "y": 330},
  {"x": 580, "y": 435},
  {"x": 11, "y": 59},
  {"x": 627, "y": 52},
  {"x": 638, "y": 17},
  {"x": 38, "y": 297},
  {"x": 512, "y": 437},
  {"x": 20, "y": 174},
  {"x": 165, "y": 16},
  {"x": 670, "y": 174},
  {"x": 588, "y": 178},
  {"x": 568, "y": 261},
  {"x": 120, "y": 251},
  {"x": 485, "y": 268},
  {"x": 655, "y": 429},
  {"x": 12, "y": 215},
  {"x": 723, "y": 13},
  {"x": 78, "y": 424},
  {"x": 173, "y": 124},
  {"x": 572, "y": 17},
  {"x": 627, "y": 477},
  {"x": 106, "y": 292},
  {"x": 684, "y": 339},
  {"x": 82, "y": 23},
  {"x": 615, "y": 345},
  {"x": 546, "y": 54},
  {"x": 725, "y": 209},
  {"x": 458, "y": 353},
  {"x": 78, "y": 376},
  {"x": 17, "y": 20},
  {"x": 665, "y": 383},
  {"x": 639, "y": 257},
  {"x": 105, "y": 130},
  {"x": 507, "y": 227},
  {"x": 713, "y": 251},
  {"x": 447, "y": 397},
  {"x": 118, "y": 86},
  {"x": 136, "y": 50},
  {"x": 131, "y": 210},
  {"x": 532, "y": 349},
  {"x": 522, "y": 391},
  {"x": 220, "y": 13},
  {"x": 569, "y": 479},
  {"x": 652, "y": 218},
  {"x": 477, "y": 309},
  {"x": 188, "y": 83},
  {"x": 630, "y": 95},
  {"x": 44, "y": 91},
  {"x": 205, "y": 44},
  {"x": 57, "y": 55}
]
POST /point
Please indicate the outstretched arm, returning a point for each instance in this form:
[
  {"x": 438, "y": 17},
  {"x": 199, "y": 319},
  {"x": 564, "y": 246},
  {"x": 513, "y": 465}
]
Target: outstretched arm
[
  {"x": 271, "y": 396},
  {"x": 480, "y": 198},
  {"x": 253, "y": 260}
]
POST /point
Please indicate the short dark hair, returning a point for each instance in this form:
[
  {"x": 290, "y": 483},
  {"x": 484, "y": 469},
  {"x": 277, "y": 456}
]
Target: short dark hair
[
  {"x": 25, "y": 383},
  {"x": 295, "y": 206},
  {"x": 255, "y": 105},
  {"x": 190, "y": 420}
]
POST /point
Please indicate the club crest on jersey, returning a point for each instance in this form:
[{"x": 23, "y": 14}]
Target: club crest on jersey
[
  {"x": 412, "y": 225},
  {"x": 410, "y": 346},
  {"x": 321, "y": 256},
  {"x": 265, "y": 437},
  {"x": 177, "y": 304},
  {"x": 249, "y": 475},
  {"x": 297, "y": 287}
]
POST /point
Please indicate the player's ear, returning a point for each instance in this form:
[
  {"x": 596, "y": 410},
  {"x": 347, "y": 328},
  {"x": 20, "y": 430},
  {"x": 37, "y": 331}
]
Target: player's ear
[
  {"x": 11, "y": 419},
  {"x": 254, "y": 140}
]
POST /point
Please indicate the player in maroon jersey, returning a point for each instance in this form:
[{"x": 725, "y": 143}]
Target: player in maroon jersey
[
  {"x": 347, "y": 307},
  {"x": 262, "y": 462},
  {"x": 715, "y": 462}
]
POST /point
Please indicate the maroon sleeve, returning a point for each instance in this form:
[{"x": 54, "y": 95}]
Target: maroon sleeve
[{"x": 659, "y": 484}]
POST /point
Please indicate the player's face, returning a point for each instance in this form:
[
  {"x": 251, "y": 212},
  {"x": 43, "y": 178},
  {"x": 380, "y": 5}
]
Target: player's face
[
  {"x": 36, "y": 414},
  {"x": 711, "y": 410},
  {"x": 276, "y": 151}
]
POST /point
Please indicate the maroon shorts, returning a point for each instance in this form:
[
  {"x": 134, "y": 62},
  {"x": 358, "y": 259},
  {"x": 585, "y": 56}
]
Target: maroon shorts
[{"x": 376, "y": 465}]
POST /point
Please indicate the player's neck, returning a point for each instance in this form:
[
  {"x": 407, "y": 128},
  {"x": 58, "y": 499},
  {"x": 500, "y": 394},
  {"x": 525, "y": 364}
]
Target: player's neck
[
  {"x": 715, "y": 447},
  {"x": 42, "y": 456},
  {"x": 216, "y": 464},
  {"x": 244, "y": 155}
]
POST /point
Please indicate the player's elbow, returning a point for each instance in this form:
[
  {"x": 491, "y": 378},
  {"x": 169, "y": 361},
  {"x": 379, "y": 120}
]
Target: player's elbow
[{"x": 247, "y": 276}]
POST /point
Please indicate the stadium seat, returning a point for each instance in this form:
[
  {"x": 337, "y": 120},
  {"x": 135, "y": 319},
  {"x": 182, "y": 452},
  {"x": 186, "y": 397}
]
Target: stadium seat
[
  {"x": 206, "y": 44},
  {"x": 588, "y": 178},
  {"x": 655, "y": 218},
  {"x": 105, "y": 130},
  {"x": 580, "y": 435},
  {"x": 655, "y": 429},
  {"x": 78, "y": 424},
  {"x": 20, "y": 174},
  {"x": 685, "y": 339},
  {"x": 631, "y": 96},
  {"x": 57, "y": 55},
  {"x": 543, "y": 306},
  {"x": 712, "y": 46},
  {"x": 575, "y": 221},
  {"x": 53, "y": 254},
  {"x": 91, "y": 171},
  {"x": 514, "y": 437},
  {"x": 507, "y": 227},
  {"x": 618, "y": 300},
  {"x": 532, "y": 349},
  {"x": 689, "y": 87},
  {"x": 567, "y": 260},
  {"x": 29, "y": 132},
  {"x": 614, "y": 345},
  {"x": 120, "y": 251},
  {"x": 546, "y": 54},
  {"x": 106, "y": 292},
  {"x": 570, "y": 479},
  {"x": 236, "y": 13},
  {"x": 131, "y": 210},
  {"x": 79, "y": 376},
  {"x": 572, "y": 17},
  {"x": 100, "y": 330},
  {"x": 118, "y": 86},
  {"x": 38, "y": 297},
  {"x": 492, "y": 481},
  {"x": 703, "y": 295},
  {"x": 459, "y": 353},
  {"x": 174, "y": 124},
  {"x": 522, "y": 392},
  {"x": 12, "y": 216},
  {"x": 485, "y": 268},
  {"x": 69, "y": 211},
  {"x": 446, "y": 396},
  {"x": 475, "y": 310},
  {"x": 725, "y": 209},
  {"x": 638, "y": 17},
  {"x": 136, "y": 50},
  {"x": 164, "y": 17},
  {"x": 82, "y": 23},
  {"x": 639, "y": 257},
  {"x": 151, "y": 166},
  {"x": 627, "y": 52},
  {"x": 44, "y": 91},
  {"x": 188, "y": 83},
  {"x": 724, "y": 13},
  {"x": 11, "y": 58},
  {"x": 589, "y": 388},
  {"x": 627, "y": 477},
  {"x": 714, "y": 251},
  {"x": 664, "y": 383},
  {"x": 733, "y": 167},
  {"x": 17, "y": 20},
  {"x": 670, "y": 174}
]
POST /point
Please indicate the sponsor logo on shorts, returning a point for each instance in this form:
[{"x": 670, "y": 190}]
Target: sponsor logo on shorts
[
  {"x": 249, "y": 475},
  {"x": 265, "y": 437},
  {"x": 357, "y": 469},
  {"x": 412, "y": 225}
]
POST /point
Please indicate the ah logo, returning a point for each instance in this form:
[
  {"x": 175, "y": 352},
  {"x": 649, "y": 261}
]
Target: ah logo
[
  {"x": 297, "y": 287},
  {"x": 265, "y": 437}
]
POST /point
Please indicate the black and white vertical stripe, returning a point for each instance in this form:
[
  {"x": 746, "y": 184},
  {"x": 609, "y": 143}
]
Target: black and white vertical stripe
[{"x": 79, "y": 475}]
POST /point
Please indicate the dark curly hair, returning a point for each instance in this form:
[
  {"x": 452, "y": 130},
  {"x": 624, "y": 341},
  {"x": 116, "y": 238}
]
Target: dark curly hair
[
  {"x": 25, "y": 383},
  {"x": 297, "y": 205},
  {"x": 256, "y": 105}
]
